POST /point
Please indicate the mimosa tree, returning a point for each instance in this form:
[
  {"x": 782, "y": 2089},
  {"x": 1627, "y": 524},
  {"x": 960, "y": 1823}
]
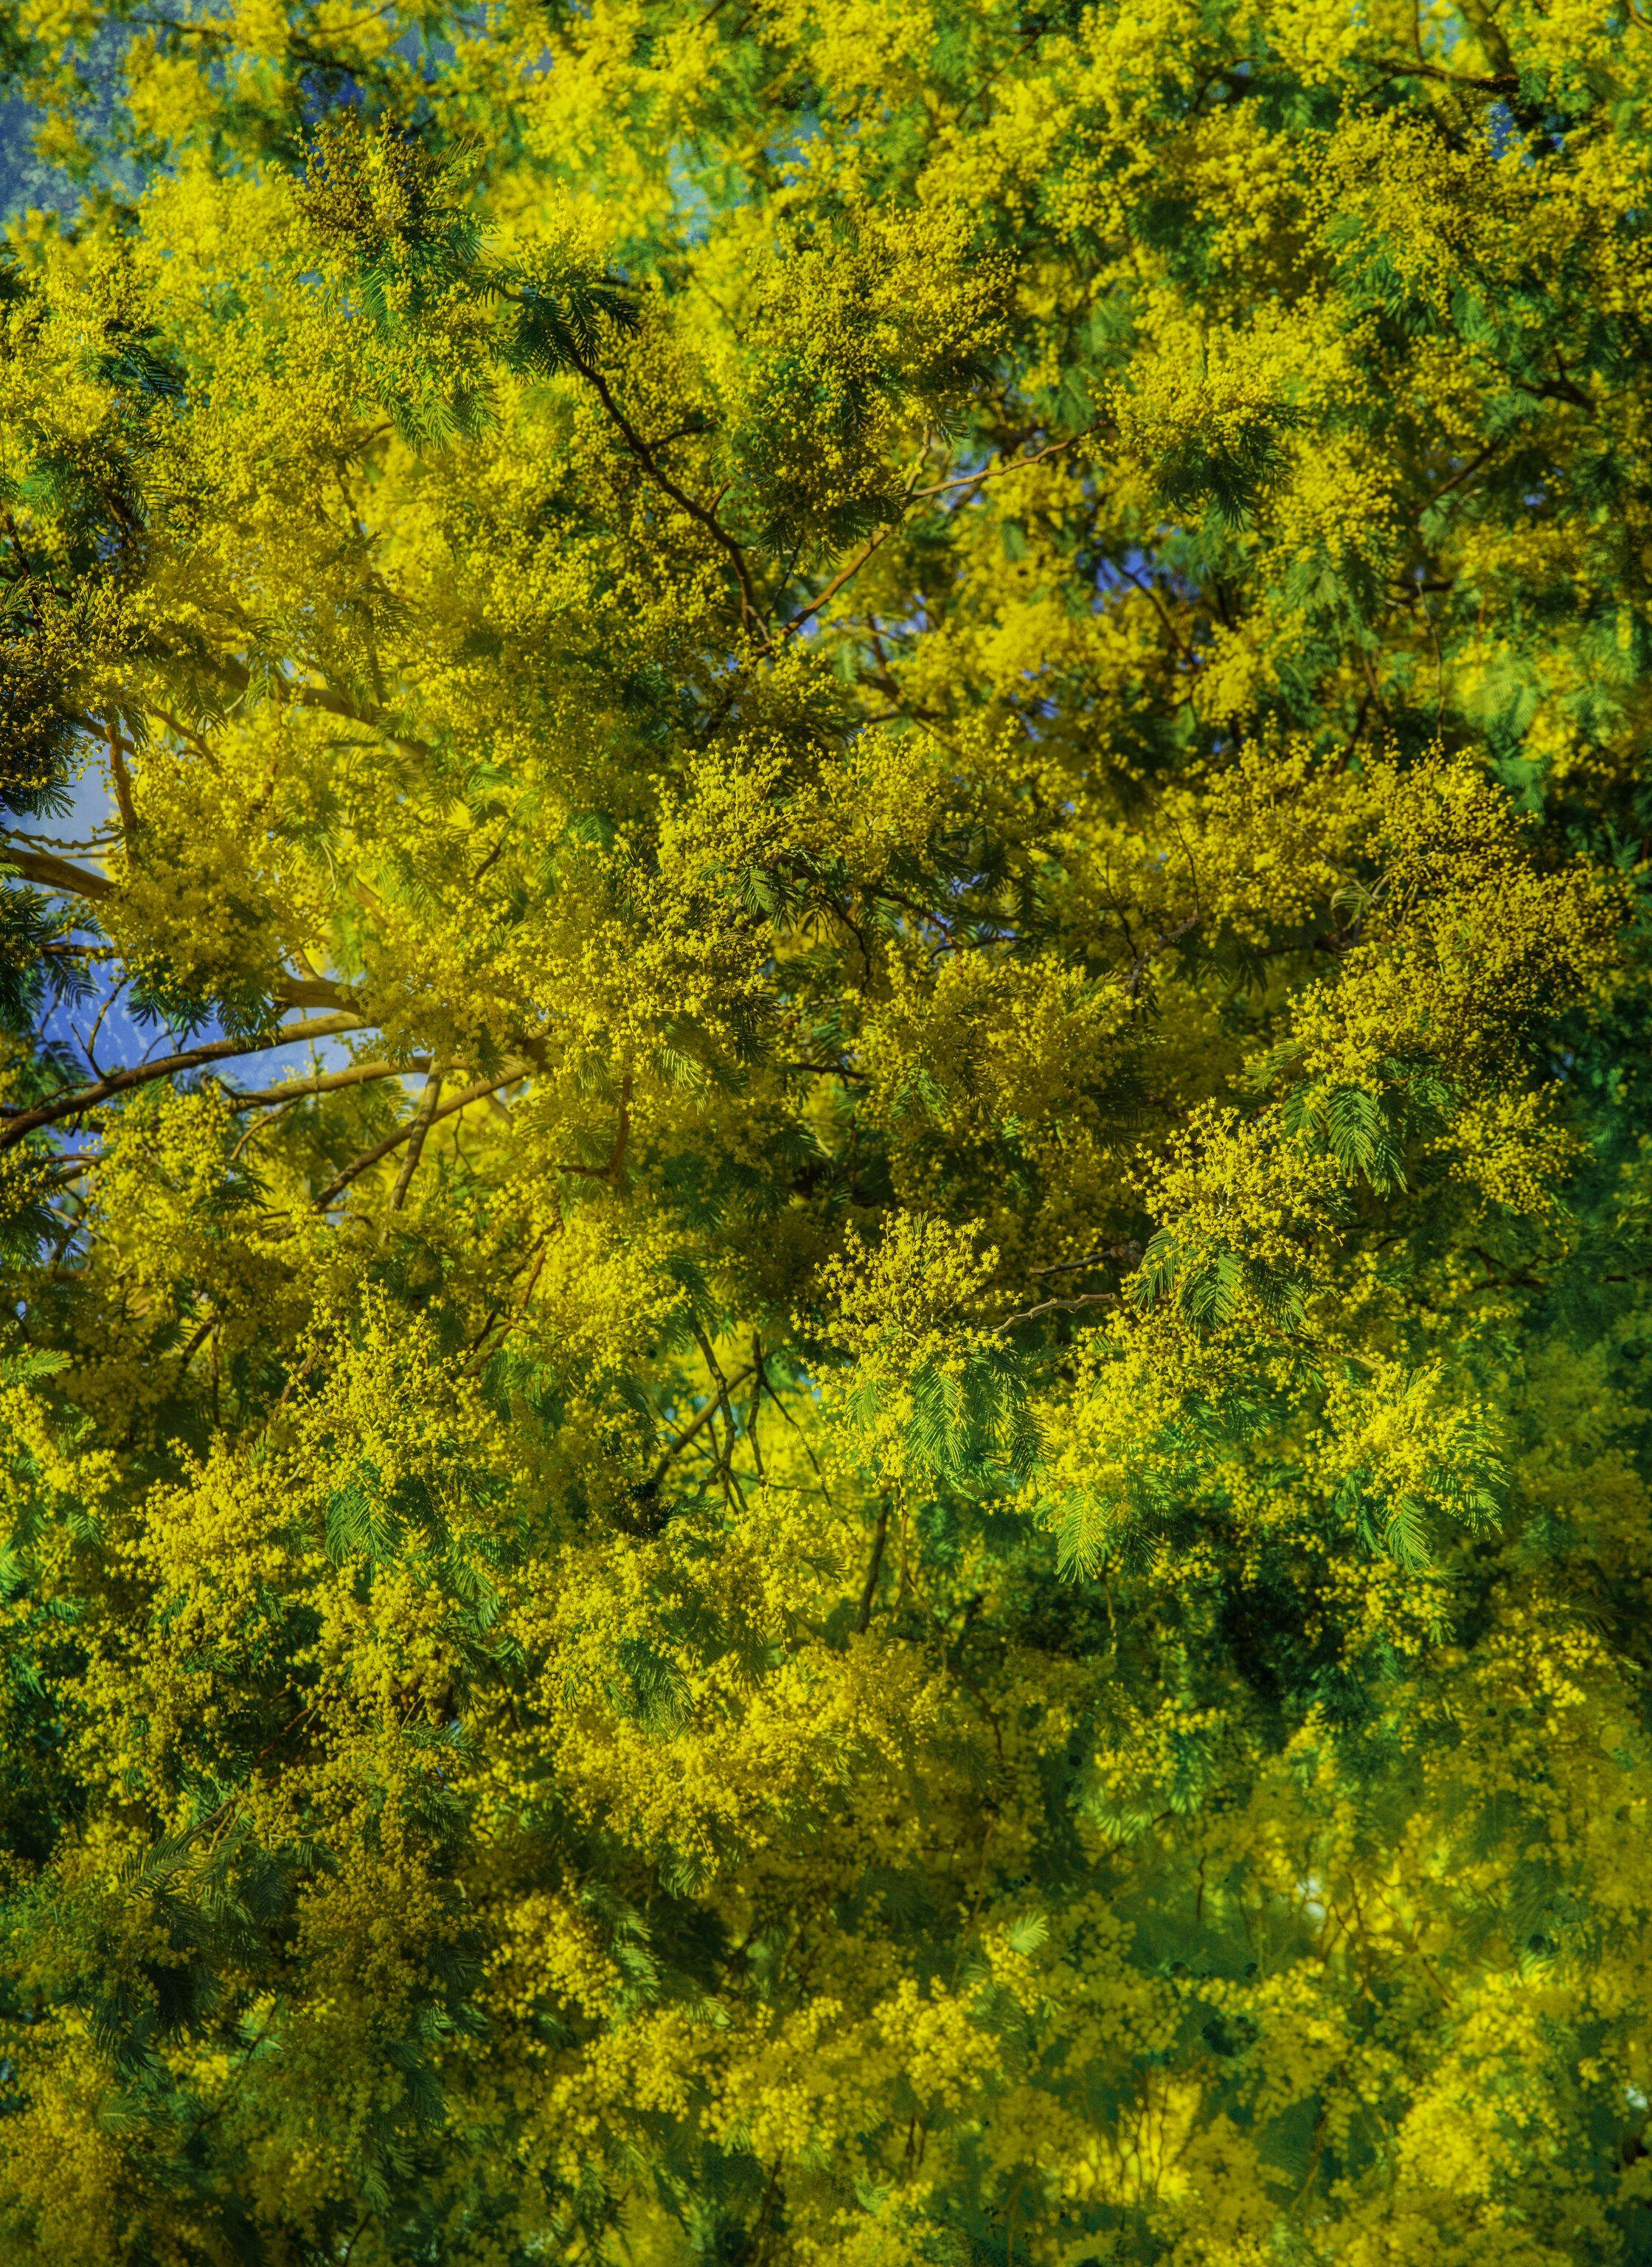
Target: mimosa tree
[{"x": 896, "y": 1511}]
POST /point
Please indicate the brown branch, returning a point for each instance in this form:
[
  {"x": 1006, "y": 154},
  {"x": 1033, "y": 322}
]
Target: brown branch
[
  {"x": 1163, "y": 941},
  {"x": 759, "y": 1380},
  {"x": 749, "y": 611},
  {"x": 293, "y": 1089},
  {"x": 121, "y": 1081},
  {"x": 1508, "y": 84},
  {"x": 1144, "y": 585},
  {"x": 57, "y": 873},
  {"x": 314, "y": 992},
  {"x": 537, "y": 1256},
  {"x": 880, "y": 1534},
  {"x": 122, "y": 781},
  {"x": 716, "y": 1370},
  {"x": 383, "y": 1149},
  {"x": 685, "y": 1438},
  {"x": 258, "y": 1126},
  {"x": 915, "y": 494},
  {"x": 177, "y": 726},
  {"x": 1466, "y": 472},
  {"x": 1014, "y": 465},
  {"x": 795, "y": 622},
  {"x": 61, "y": 1175},
  {"x": 1126, "y": 1255},
  {"x": 1059, "y": 1307},
  {"x": 423, "y": 1124}
]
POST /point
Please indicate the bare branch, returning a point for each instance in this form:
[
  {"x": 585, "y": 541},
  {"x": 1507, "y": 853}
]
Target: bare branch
[
  {"x": 1125, "y": 1255},
  {"x": 1481, "y": 86},
  {"x": 759, "y": 1380},
  {"x": 874, "y": 544},
  {"x": 1466, "y": 472},
  {"x": 122, "y": 779},
  {"x": 998, "y": 471},
  {"x": 716, "y": 1370},
  {"x": 537, "y": 1254},
  {"x": 314, "y": 992}
]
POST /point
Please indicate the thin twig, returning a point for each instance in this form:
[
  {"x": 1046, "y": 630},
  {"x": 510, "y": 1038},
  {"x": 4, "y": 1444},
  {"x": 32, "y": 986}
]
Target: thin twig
[
  {"x": 1125, "y": 1255},
  {"x": 1466, "y": 472},
  {"x": 537, "y": 1255},
  {"x": 794, "y": 622},
  {"x": 256, "y": 1128},
  {"x": 109, "y": 999},
  {"x": 1059, "y": 1307},
  {"x": 998, "y": 471},
  {"x": 716, "y": 1370},
  {"x": 758, "y": 1381}
]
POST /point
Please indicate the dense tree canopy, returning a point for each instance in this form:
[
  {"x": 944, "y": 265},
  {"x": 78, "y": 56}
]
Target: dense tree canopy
[{"x": 896, "y": 1511}]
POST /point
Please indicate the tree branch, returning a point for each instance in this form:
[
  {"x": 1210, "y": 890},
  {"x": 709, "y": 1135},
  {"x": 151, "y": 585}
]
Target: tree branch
[
  {"x": 1123, "y": 1255},
  {"x": 749, "y": 611},
  {"x": 880, "y": 1536},
  {"x": 334, "y": 704},
  {"x": 314, "y": 992},
  {"x": 998, "y": 471},
  {"x": 794, "y": 622},
  {"x": 1504, "y": 83},
  {"x": 294, "y": 1089},
  {"x": 423, "y": 1124},
  {"x": 717, "y": 1398},
  {"x": 121, "y": 1081},
  {"x": 383, "y": 1149},
  {"x": 57, "y": 873},
  {"x": 121, "y": 781},
  {"x": 716, "y": 1370},
  {"x": 1059, "y": 1307}
]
